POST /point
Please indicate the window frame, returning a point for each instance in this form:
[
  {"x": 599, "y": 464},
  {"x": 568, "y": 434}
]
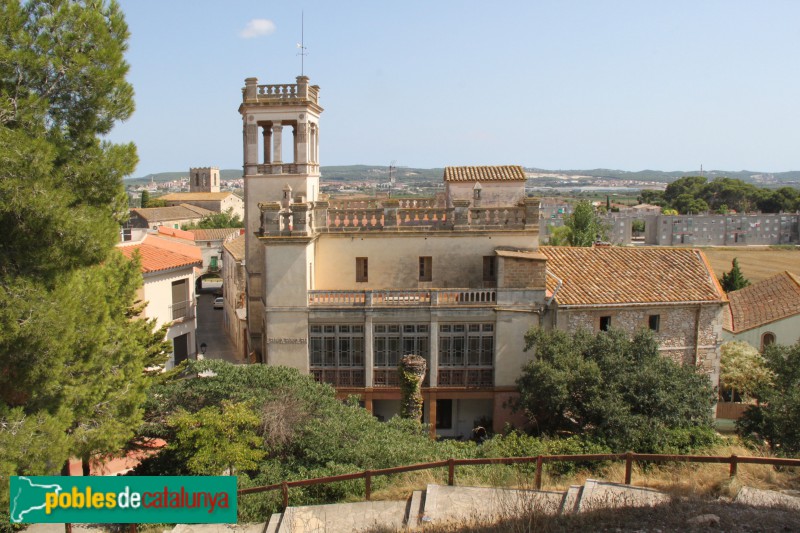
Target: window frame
[
  {"x": 425, "y": 268},
  {"x": 362, "y": 269}
]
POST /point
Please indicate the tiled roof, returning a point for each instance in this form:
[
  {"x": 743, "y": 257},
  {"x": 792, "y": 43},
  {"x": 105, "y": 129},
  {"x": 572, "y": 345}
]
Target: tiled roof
[
  {"x": 177, "y": 233},
  {"x": 156, "y": 258},
  {"x": 236, "y": 247},
  {"x": 189, "y": 196},
  {"x": 174, "y": 212},
  {"x": 764, "y": 302},
  {"x": 214, "y": 234},
  {"x": 620, "y": 275},
  {"x": 497, "y": 173}
]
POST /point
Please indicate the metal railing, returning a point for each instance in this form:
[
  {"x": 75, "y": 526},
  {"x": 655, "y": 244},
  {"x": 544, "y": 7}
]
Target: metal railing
[{"x": 733, "y": 461}]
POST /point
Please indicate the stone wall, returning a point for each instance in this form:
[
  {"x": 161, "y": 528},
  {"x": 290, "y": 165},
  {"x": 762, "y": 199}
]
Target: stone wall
[{"x": 678, "y": 336}]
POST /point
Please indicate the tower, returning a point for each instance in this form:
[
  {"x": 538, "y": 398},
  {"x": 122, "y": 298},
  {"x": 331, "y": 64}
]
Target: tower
[
  {"x": 279, "y": 170},
  {"x": 204, "y": 179}
]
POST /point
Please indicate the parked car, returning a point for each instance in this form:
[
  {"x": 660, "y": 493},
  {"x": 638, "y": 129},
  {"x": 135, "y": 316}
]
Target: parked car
[{"x": 218, "y": 303}]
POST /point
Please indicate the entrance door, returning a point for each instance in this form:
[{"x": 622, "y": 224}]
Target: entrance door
[{"x": 181, "y": 348}]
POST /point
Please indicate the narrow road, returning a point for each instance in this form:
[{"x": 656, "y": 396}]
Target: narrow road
[{"x": 210, "y": 327}]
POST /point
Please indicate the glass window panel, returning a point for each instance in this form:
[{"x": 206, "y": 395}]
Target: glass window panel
[
  {"x": 474, "y": 327},
  {"x": 487, "y": 351},
  {"x": 474, "y": 351},
  {"x": 345, "y": 356}
]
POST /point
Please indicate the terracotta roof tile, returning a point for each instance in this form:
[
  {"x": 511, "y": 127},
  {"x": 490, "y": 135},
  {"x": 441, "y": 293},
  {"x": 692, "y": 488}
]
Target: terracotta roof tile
[
  {"x": 619, "y": 275},
  {"x": 214, "y": 234},
  {"x": 174, "y": 212},
  {"x": 155, "y": 258},
  {"x": 764, "y": 302},
  {"x": 236, "y": 247},
  {"x": 495, "y": 173},
  {"x": 189, "y": 196}
]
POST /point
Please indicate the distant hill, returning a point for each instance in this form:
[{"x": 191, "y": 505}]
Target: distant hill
[{"x": 356, "y": 173}]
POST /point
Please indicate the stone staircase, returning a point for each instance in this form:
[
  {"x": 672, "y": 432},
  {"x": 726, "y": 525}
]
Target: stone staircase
[{"x": 441, "y": 504}]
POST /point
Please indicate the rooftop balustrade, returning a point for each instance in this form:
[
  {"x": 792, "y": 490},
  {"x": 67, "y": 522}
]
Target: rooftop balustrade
[
  {"x": 403, "y": 298},
  {"x": 345, "y": 216}
]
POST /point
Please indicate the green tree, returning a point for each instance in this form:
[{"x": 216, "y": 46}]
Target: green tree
[
  {"x": 584, "y": 227},
  {"x": 733, "y": 280},
  {"x": 638, "y": 226},
  {"x": 618, "y": 391},
  {"x": 559, "y": 236},
  {"x": 687, "y": 204},
  {"x": 145, "y": 199},
  {"x": 776, "y": 418},
  {"x": 689, "y": 185},
  {"x": 225, "y": 219},
  {"x": 652, "y": 197},
  {"x": 71, "y": 357},
  {"x": 743, "y": 369}
]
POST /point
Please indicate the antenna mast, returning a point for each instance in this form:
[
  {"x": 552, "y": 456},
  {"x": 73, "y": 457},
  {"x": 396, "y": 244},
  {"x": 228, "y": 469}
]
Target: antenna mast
[{"x": 302, "y": 44}]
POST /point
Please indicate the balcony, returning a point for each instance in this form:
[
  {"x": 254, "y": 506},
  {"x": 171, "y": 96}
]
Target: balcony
[
  {"x": 339, "y": 377},
  {"x": 390, "y": 377},
  {"x": 466, "y": 377},
  {"x": 182, "y": 310},
  {"x": 403, "y": 298}
]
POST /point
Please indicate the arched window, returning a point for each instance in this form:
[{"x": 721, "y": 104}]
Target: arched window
[{"x": 767, "y": 339}]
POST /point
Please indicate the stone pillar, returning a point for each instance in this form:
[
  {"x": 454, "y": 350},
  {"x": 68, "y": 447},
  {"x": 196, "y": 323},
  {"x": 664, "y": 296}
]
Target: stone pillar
[
  {"x": 320, "y": 215},
  {"x": 300, "y": 218},
  {"x": 269, "y": 217},
  {"x": 250, "y": 135},
  {"x": 433, "y": 350},
  {"x": 390, "y": 213},
  {"x": 369, "y": 355},
  {"x": 302, "y": 86},
  {"x": 267, "y": 135},
  {"x": 461, "y": 208},
  {"x": 250, "y": 89},
  {"x": 531, "y": 212},
  {"x": 277, "y": 143},
  {"x": 432, "y": 414}
]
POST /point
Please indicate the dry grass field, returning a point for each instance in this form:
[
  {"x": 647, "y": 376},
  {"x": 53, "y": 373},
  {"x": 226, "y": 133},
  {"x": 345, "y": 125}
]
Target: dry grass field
[{"x": 757, "y": 262}]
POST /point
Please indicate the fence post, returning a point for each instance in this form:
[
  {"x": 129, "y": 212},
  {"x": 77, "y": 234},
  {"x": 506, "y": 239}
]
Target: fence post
[
  {"x": 538, "y": 479},
  {"x": 734, "y": 465},
  {"x": 133, "y": 528},
  {"x": 451, "y": 471},
  {"x": 368, "y": 484},
  {"x": 285, "y": 490},
  {"x": 628, "y": 467},
  {"x": 68, "y": 528}
]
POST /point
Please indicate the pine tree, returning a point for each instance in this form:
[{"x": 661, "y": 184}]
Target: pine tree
[
  {"x": 733, "y": 280},
  {"x": 71, "y": 356}
]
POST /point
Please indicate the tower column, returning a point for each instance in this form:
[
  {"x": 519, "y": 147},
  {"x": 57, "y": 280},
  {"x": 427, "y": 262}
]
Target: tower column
[
  {"x": 277, "y": 146},
  {"x": 267, "y": 134}
]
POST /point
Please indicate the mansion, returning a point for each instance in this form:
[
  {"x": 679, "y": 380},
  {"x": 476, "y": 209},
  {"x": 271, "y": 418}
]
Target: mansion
[{"x": 341, "y": 289}]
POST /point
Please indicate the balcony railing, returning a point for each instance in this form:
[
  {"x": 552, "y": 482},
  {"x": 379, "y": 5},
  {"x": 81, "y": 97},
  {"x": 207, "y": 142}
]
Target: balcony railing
[
  {"x": 339, "y": 377},
  {"x": 390, "y": 377},
  {"x": 466, "y": 377},
  {"x": 412, "y": 297},
  {"x": 182, "y": 310}
]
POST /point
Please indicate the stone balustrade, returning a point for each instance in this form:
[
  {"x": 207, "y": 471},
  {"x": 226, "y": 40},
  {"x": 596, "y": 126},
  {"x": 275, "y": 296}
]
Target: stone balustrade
[
  {"x": 281, "y": 92},
  {"x": 371, "y": 215},
  {"x": 403, "y": 298}
]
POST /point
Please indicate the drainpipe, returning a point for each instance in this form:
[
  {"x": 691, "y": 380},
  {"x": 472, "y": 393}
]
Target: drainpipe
[{"x": 558, "y": 287}]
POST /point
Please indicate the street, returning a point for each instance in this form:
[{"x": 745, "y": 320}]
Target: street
[{"x": 210, "y": 326}]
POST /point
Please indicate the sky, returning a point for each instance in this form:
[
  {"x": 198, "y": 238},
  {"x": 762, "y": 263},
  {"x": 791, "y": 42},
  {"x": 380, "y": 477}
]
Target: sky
[{"x": 561, "y": 84}]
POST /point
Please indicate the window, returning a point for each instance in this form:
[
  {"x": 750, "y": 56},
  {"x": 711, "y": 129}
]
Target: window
[
  {"x": 654, "y": 322},
  {"x": 334, "y": 346},
  {"x": 362, "y": 272},
  {"x": 489, "y": 269},
  {"x": 767, "y": 339},
  {"x": 605, "y": 323},
  {"x": 392, "y": 341},
  {"x": 470, "y": 345},
  {"x": 425, "y": 268}
]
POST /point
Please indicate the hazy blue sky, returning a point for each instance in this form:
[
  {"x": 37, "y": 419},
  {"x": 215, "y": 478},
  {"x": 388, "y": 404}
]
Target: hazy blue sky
[{"x": 557, "y": 84}]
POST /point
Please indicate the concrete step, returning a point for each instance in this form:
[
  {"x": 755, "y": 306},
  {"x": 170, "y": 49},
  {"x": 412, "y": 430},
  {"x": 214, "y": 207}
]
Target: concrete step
[
  {"x": 274, "y": 523},
  {"x": 344, "y": 517},
  {"x": 445, "y": 504},
  {"x": 603, "y": 495},
  {"x": 571, "y": 499},
  {"x": 767, "y": 498},
  {"x": 415, "y": 510}
]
